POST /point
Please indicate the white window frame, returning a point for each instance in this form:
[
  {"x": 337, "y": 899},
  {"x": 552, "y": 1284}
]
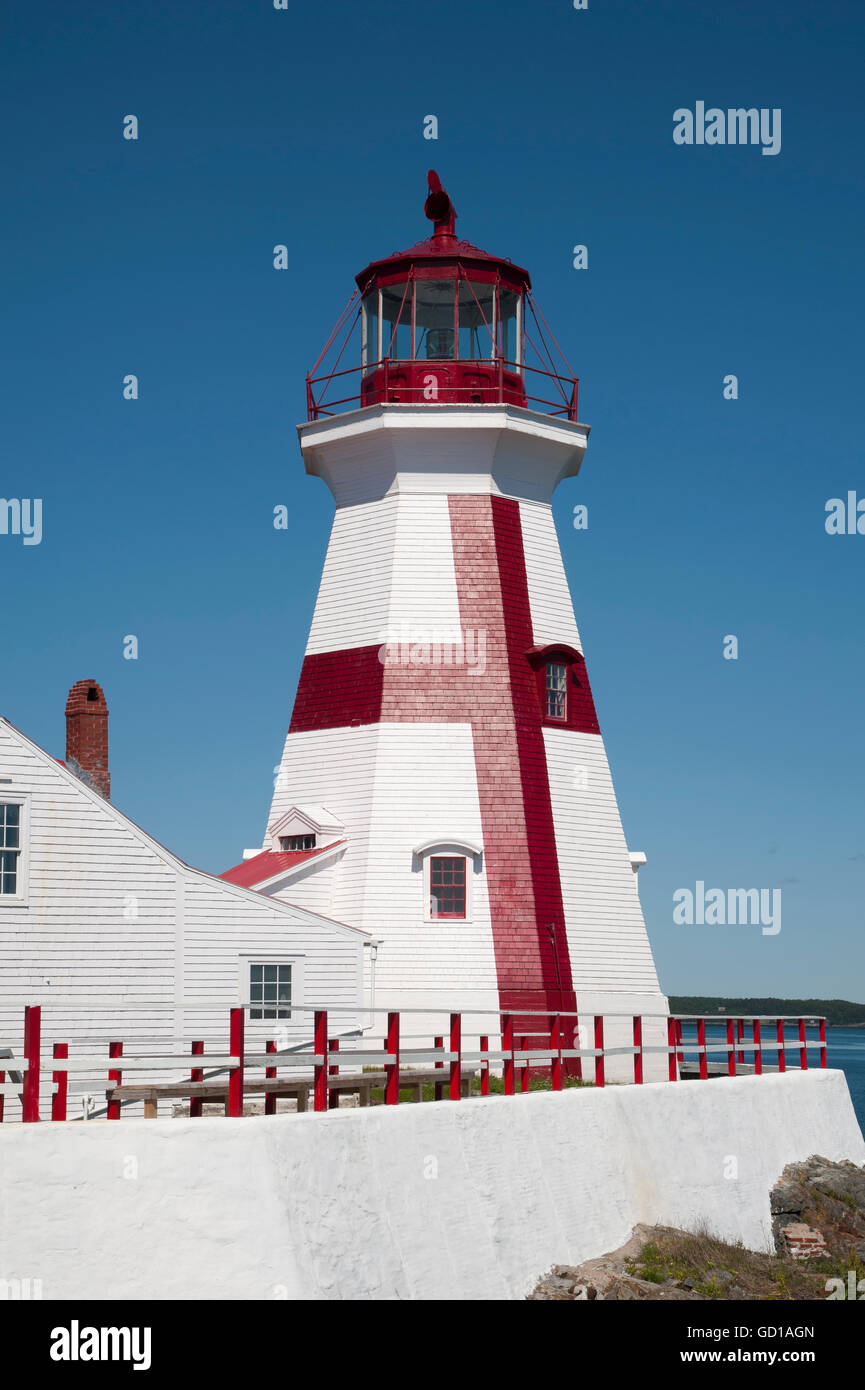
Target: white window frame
[
  {"x": 265, "y": 957},
  {"x": 21, "y": 898}
]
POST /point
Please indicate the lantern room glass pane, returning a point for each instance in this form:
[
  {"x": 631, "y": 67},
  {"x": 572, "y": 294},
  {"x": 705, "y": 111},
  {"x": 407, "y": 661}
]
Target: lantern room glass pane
[
  {"x": 396, "y": 321},
  {"x": 370, "y": 329},
  {"x": 476, "y": 305},
  {"x": 509, "y": 308},
  {"x": 434, "y": 319}
]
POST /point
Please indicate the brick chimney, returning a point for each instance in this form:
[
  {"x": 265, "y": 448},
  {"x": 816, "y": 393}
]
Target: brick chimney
[{"x": 87, "y": 736}]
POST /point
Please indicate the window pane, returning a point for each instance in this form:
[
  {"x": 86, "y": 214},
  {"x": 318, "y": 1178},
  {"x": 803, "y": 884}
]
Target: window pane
[
  {"x": 556, "y": 687},
  {"x": 370, "y": 321},
  {"x": 447, "y": 886},
  {"x": 508, "y": 333},
  {"x": 476, "y": 303},
  {"x": 396, "y": 315},
  {"x": 434, "y": 319}
]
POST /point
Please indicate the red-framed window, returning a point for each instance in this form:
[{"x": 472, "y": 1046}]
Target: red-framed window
[
  {"x": 447, "y": 878},
  {"x": 564, "y": 694},
  {"x": 556, "y": 690}
]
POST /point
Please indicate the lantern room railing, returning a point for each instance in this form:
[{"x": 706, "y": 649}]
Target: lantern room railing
[{"x": 412, "y": 382}]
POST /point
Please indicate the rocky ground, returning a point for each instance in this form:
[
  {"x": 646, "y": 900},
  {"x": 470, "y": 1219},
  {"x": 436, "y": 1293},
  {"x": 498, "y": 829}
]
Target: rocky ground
[{"x": 818, "y": 1221}]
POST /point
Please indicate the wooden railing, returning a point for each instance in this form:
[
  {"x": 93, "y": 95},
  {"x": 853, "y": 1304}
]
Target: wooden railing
[{"x": 554, "y": 1051}]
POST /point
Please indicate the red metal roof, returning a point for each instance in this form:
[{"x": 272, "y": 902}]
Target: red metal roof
[
  {"x": 270, "y": 863},
  {"x": 443, "y": 244}
]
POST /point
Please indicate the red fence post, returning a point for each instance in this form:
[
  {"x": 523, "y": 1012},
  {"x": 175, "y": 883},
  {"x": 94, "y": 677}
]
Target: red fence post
[
  {"x": 638, "y": 1055},
  {"x": 758, "y": 1049},
  {"x": 822, "y": 1042},
  {"x": 115, "y": 1049},
  {"x": 485, "y": 1065},
  {"x": 32, "y": 1039},
  {"x": 740, "y": 1034},
  {"x": 731, "y": 1051},
  {"x": 439, "y": 1066},
  {"x": 61, "y": 1081},
  {"x": 599, "y": 1043},
  {"x": 457, "y": 1062},
  {"x": 235, "y": 1077},
  {"x": 782, "y": 1052},
  {"x": 196, "y": 1074},
  {"x": 680, "y": 1056},
  {"x": 508, "y": 1050},
  {"x": 556, "y": 1069},
  {"x": 524, "y": 1069},
  {"x": 333, "y": 1096},
  {"x": 391, "y": 1069},
  {"x": 319, "y": 1047},
  {"x": 270, "y": 1074},
  {"x": 701, "y": 1043},
  {"x": 672, "y": 1069},
  {"x": 803, "y": 1046}
]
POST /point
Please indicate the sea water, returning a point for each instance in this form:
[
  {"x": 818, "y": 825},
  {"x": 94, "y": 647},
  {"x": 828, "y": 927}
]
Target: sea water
[{"x": 845, "y": 1051}]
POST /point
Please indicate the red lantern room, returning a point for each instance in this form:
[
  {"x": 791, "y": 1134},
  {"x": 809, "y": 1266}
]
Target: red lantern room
[{"x": 443, "y": 323}]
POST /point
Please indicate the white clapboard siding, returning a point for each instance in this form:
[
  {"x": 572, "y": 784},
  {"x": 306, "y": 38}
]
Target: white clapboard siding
[
  {"x": 549, "y": 597},
  {"x": 119, "y": 939},
  {"x": 607, "y": 938}
]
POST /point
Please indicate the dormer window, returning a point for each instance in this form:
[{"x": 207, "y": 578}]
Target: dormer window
[
  {"x": 557, "y": 690},
  {"x": 292, "y": 843},
  {"x": 564, "y": 694}
]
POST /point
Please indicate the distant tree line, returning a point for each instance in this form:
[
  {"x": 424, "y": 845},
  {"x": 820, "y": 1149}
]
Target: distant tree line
[{"x": 839, "y": 1011}]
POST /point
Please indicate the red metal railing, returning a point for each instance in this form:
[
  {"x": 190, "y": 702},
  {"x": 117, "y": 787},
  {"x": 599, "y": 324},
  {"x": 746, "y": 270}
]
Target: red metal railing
[
  {"x": 494, "y": 381},
  {"x": 395, "y": 1067}
]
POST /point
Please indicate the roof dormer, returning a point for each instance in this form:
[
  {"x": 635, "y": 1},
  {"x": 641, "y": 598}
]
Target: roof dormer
[{"x": 303, "y": 828}]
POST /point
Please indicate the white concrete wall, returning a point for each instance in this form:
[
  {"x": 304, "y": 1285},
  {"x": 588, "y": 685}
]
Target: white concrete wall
[{"x": 457, "y": 1200}]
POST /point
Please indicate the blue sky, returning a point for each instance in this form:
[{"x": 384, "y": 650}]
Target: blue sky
[{"x": 706, "y": 516}]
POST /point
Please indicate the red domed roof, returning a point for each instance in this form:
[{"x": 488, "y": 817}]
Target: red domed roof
[{"x": 443, "y": 245}]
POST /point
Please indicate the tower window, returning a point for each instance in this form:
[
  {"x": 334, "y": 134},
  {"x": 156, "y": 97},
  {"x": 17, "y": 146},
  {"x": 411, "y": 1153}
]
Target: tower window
[
  {"x": 557, "y": 690},
  {"x": 448, "y": 886},
  {"x": 292, "y": 843},
  {"x": 270, "y": 991},
  {"x": 10, "y": 847}
]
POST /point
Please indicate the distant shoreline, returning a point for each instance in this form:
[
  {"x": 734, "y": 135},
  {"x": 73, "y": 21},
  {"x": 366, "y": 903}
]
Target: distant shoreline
[{"x": 838, "y": 1013}]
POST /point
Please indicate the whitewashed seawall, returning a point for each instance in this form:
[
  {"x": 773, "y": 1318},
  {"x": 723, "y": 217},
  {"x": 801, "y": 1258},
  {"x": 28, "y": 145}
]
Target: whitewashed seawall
[{"x": 463, "y": 1200}]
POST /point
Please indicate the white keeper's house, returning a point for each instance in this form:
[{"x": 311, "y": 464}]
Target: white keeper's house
[
  {"x": 444, "y": 782},
  {"x": 116, "y": 937}
]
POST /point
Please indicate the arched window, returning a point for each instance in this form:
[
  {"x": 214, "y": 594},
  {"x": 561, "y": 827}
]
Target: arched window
[{"x": 448, "y": 866}]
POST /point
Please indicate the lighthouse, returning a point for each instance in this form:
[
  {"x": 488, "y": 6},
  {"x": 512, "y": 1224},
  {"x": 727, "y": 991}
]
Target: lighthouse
[{"x": 444, "y": 783}]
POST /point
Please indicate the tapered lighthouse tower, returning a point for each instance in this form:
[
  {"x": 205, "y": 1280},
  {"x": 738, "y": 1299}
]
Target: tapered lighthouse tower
[{"x": 444, "y": 783}]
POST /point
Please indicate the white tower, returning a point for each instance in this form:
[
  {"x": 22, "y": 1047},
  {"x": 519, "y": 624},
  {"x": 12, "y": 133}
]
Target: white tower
[{"x": 444, "y": 783}]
